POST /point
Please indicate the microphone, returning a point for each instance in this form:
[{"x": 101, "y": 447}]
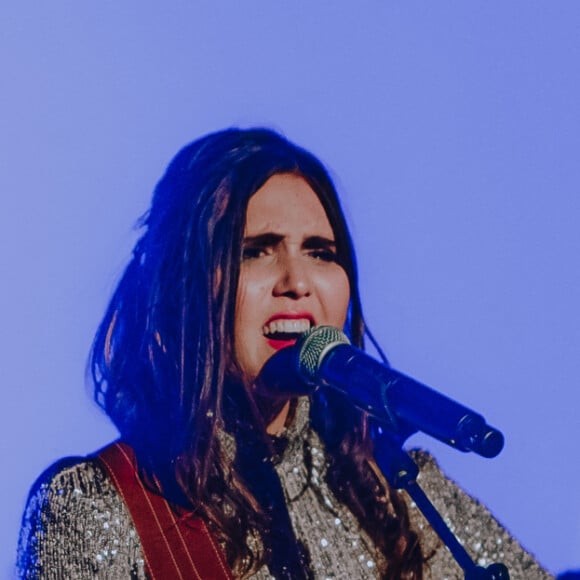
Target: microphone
[{"x": 324, "y": 357}]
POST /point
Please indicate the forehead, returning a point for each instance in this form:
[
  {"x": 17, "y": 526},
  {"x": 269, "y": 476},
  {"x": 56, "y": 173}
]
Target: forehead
[{"x": 285, "y": 204}]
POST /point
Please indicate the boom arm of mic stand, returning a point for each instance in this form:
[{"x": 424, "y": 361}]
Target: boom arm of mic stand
[{"x": 401, "y": 472}]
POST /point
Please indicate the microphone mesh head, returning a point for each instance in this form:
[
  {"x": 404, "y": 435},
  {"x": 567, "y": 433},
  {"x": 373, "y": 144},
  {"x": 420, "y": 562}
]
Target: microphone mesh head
[{"x": 314, "y": 345}]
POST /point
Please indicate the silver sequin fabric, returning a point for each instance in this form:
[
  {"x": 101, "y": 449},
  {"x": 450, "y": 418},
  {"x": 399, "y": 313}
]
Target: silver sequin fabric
[{"x": 75, "y": 525}]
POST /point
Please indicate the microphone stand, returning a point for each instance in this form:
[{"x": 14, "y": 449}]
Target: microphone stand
[{"x": 401, "y": 473}]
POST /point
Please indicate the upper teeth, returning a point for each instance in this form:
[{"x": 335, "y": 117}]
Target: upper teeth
[{"x": 292, "y": 326}]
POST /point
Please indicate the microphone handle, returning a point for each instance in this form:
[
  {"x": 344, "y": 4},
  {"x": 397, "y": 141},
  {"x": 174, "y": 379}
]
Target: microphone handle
[{"x": 404, "y": 404}]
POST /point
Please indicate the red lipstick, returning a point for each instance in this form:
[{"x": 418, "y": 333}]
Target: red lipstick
[{"x": 280, "y": 344}]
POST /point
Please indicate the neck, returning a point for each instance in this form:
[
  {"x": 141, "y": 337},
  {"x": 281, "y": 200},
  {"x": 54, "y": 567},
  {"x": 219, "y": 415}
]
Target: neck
[{"x": 278, "y": 424}]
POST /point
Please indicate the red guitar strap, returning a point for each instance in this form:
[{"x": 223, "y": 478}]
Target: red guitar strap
[{"x": 173, "y": 546}]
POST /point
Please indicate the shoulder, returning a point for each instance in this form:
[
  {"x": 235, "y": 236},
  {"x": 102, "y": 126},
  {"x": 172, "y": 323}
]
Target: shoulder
[
  {"x": 69, "y": 481},
  {"x": 68, "y": 474},
  {"x": 75, "y": 522},
  {"x": 485, "y": 538}
]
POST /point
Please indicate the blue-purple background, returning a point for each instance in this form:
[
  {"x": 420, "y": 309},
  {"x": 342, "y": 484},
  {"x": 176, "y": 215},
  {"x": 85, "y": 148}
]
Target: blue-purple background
[{"x": 452, "y": 128}]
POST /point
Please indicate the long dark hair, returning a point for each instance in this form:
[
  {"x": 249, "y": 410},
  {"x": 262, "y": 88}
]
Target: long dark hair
[{"x": 162, "y": 357}]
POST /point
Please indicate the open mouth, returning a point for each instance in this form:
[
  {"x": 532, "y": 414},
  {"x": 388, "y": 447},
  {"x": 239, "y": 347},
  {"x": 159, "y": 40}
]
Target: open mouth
[{"x": 283, "y": 332}]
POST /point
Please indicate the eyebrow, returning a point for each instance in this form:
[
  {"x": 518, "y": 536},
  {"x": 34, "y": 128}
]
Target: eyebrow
[
  {"x": 271, "y": 239},
  {"x": 268, "y": 239},
  {"x": 314, "y": 242}
]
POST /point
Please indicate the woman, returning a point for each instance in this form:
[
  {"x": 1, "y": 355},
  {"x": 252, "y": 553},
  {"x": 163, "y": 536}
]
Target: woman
[{"x": 244, "y": 248}]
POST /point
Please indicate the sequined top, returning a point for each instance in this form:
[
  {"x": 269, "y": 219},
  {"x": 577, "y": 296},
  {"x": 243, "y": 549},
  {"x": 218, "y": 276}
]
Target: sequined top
[{"x": 75, "y": 525}]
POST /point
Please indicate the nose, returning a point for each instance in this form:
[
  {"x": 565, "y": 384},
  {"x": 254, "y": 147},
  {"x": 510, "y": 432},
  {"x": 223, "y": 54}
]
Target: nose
[{"x": 293, "y": 279}]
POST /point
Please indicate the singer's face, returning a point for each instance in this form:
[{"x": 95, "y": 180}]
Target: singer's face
[{"x": 290, "y": 279}]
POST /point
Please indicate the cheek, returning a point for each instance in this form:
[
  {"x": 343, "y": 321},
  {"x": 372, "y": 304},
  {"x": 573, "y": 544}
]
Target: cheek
[
  {"x": 244, "y": 307},
  {"x": 250, "y": 296},
  {"x": 248, "y": 317},
  {"x": 336, "y": 298}
]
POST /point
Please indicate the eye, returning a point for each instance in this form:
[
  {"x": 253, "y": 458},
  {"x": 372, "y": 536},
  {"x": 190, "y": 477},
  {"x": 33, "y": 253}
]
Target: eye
[
  {"x": 320, "y": 248},
  {"x": 254, "y": 247},
  {"x": 253, "y": 252},
  {"x": 324, "y": 255}
]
